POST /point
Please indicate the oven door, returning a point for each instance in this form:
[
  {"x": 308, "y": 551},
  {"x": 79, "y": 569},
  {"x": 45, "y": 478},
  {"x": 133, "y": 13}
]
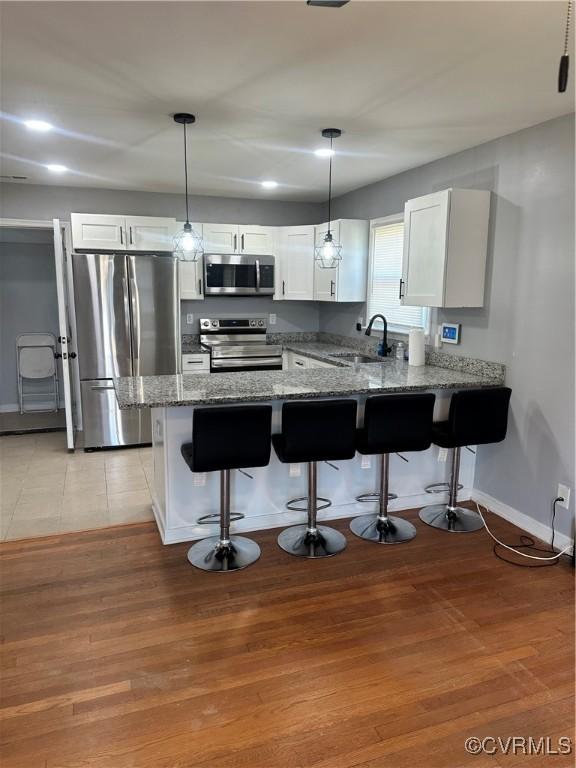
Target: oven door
[
  {"x": 237, "y": 364},
  {"x": 240, "y": 275}
]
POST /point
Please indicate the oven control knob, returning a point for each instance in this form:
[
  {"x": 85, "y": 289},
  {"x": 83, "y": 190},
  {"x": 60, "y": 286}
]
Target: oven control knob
[
  {"x": 261, "y": 323},
  {"x": 214, "y": 323},
  {"x": 252, "y": 323},
  {"x": 205, "y": 323}
]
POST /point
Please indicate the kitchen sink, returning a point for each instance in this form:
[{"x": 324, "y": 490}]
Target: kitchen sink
[{"x": 351, "y": 357}]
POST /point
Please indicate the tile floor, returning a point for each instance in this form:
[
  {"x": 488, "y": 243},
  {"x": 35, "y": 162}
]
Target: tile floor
[{"x": 46, "y": 490}]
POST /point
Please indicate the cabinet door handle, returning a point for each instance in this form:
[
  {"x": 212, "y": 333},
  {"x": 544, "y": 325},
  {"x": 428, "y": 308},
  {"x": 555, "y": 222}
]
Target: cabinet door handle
[
  {"x": 298, "y": 362},
  {"x": 332, "y": 286},
  {"x": 200, "y": 286},
  {"x": 131, "y": 237},
  {"x": 283, "y": 287},
  {"x": 121, "y": 236},
  {"x": 242, "y": 242},
  {"x": 400, "y": 294},
  {"x": 235, "y": 242}
]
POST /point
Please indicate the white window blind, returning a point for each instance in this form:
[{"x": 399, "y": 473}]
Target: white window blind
[{"x": 386, "y": 248}]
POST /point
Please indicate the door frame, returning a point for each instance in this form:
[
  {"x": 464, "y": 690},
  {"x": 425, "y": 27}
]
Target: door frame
[{"x": 48, "y": 224}]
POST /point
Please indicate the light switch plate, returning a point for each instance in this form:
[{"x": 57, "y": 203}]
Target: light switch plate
[
  {"x": 442, "y": 454},
  {"x": 198, "y": 479},
  {"x": 294, "y": 470},
  {"x": 365, "y": 462}
]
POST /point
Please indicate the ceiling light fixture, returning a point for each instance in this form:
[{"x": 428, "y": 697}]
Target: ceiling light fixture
[
  {"x": 323, "y": 152},
  {"x": 41, "y": 126},
  {"x": 330, "y": 252},
  {"x": 188, "y": 244},
  {"x": 565, "y": 58},
  {"x": 56, "y": 168},
  {"x": 269, "y": 184}
]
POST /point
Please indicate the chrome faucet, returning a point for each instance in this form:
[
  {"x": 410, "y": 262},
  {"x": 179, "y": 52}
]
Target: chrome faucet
[{"x": 384, "y": 349}]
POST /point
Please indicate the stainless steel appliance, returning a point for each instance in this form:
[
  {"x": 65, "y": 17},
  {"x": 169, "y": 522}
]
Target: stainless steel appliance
[
  {"x": 239, "y": 344},
  {"x": 238, "y": 274},
  {"x": 128, "y": 324}
]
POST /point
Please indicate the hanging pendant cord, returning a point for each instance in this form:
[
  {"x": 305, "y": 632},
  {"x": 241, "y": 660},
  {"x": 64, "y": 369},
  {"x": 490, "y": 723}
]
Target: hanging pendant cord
[
  {"x": 186, "y": 173},
  {"x": 565, "y": 58},
  {"x": 330, "y": 188}
]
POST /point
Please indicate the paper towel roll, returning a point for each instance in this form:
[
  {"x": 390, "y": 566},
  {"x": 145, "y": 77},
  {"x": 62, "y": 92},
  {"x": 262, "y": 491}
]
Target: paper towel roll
[{"x": 416, "y": 347}]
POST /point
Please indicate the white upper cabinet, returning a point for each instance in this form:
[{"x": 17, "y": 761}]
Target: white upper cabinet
[
  {"x": 221, "y": 238},
  {"x": 97, "y": 232},
  {"x": 346, "y": 281},
  {"x": 102, "y": 232},
  {"x": 257, "y": 240},
  {"x": 295, "y": 264},
  {"x": 239, "y": 238},
  {"x": 190, "y": 273},
  {"x": 150, "y": 233},
  {"x": 445, "y": 245}
]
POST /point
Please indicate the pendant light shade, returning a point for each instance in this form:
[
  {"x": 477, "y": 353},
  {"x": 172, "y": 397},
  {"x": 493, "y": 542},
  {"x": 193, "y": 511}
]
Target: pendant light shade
[
  {"x": 188, "y": 244},
  {"x": 329, "y": 252}
]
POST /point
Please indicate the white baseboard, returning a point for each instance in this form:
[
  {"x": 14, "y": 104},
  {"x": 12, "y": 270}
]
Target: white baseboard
[{"x": 522, "y": 521}]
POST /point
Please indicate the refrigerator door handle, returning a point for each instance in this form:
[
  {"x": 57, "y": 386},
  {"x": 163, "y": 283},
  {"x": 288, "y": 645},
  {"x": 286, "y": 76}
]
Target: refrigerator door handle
[{"x": 135, "y": 319}]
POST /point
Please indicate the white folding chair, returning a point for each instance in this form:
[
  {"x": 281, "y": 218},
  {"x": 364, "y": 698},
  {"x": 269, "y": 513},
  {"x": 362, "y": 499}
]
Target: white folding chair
[{"x": 36, "y": 360}]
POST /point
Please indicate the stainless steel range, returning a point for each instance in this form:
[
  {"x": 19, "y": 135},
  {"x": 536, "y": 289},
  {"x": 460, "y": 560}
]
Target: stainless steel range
[{"x": 239, "y": 344}]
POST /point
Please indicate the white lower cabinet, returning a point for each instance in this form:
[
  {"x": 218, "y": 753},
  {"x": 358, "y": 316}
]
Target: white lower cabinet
[{"x": 197, "y": 362}]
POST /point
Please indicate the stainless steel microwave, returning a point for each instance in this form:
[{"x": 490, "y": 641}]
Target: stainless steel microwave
[{"x": 238, "y": 274}]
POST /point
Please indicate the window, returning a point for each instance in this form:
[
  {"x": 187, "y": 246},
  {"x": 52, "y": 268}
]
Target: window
[{"x": 386, "y": 248}]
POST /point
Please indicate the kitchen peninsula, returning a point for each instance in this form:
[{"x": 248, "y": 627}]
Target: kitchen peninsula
[{"x": 180, "y": 497}]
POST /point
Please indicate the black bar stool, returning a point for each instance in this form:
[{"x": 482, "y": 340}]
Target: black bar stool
[
  {"x": 322, "y": 430},
  {"x": 223, "y": 439},
  {"x": 392, "y": 424},
  {"x": 476, "y": 416}
]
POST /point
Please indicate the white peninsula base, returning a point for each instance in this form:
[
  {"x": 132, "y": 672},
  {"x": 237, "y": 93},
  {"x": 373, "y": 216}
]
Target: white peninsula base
[{"x": 180, "y": 497}]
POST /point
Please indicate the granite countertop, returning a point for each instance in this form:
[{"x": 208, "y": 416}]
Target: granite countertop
[{"x": 257, "y": 386}]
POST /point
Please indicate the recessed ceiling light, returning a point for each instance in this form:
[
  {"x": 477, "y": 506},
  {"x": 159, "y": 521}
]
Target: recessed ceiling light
[
  {"x": 269, "y": 184},
  {"x": 324, "y": 152},
  {"x": 56, "y": 168},
  {"x": 38, "y": 125}
]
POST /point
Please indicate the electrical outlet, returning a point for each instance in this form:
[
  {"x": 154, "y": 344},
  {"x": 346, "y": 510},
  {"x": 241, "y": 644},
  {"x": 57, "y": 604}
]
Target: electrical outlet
[
  {"x": 564, "y": 493},
  {"x": 272, "y": 319},
  {"x": 366, "y": 462},
  {"x": 190, "y": 319},
  {"x": 198, "y": 479},
  {"x": 294, "y": 470},
  {"x": 442, "y": 454}
]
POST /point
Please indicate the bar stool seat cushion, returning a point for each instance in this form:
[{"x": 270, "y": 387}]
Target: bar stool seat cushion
[
  {"x": 322, "y": 430},
  {"x": 476, "y": 416},
  {"x": 229, "y": 437},
  {"x": 396, "y": 423}
]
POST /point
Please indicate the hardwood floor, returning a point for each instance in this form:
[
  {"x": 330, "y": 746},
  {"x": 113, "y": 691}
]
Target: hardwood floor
[{"x": 117, "y": 654}]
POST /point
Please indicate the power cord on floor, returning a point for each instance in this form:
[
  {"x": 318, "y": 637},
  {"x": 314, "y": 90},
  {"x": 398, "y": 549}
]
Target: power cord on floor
[{"x": 527, "y": 542}]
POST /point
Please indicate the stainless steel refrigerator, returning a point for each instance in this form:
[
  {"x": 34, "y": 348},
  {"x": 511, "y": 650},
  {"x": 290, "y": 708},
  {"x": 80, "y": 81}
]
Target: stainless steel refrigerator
[{"x": 127, "y": 324}]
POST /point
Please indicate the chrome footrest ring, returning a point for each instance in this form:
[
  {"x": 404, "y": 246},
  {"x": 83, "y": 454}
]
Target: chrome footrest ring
[
  {"x": 374, "y": 497},
  {"x": 440, "y": 487},
  {"x": 214, "y": 517},
  {"x": 303, "y": 500}
]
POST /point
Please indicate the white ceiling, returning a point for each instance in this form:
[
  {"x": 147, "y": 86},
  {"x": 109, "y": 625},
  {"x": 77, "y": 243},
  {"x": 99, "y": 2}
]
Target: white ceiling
[{"x": 407, "y": 82}]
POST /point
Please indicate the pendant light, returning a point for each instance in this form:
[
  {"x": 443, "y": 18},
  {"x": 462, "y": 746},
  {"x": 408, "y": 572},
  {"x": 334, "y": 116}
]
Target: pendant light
[
  {"x": 188, "y": 244},
  {"x": 329, "y": 253},
  {"x": 565, "y": 58}
]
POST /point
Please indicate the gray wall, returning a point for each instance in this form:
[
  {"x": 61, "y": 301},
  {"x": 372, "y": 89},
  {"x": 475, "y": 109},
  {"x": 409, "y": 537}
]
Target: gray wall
[
  {"x": 528, "y": 318},
  {"x": 290, "y": 315},
  {"x": 28, "y": 300},
  {"x": 32, "y": 201}
]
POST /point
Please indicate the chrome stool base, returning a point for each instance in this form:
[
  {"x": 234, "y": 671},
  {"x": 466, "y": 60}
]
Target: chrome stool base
[
  {"x": 303, "y": 502},
  {"x": 213, "y": 554},
  {"x": 391, "y": 530},
  {"x": 322, "y": 541},
  {"x": 374, "y": 497},
  {"x": 456, "y": 519}
]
